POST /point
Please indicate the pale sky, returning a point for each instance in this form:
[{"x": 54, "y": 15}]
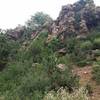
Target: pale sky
[{"x": 14, "y": 12}]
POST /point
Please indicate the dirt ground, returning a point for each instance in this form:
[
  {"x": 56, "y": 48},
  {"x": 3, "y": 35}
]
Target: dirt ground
[{"x": 85, "y": 75}]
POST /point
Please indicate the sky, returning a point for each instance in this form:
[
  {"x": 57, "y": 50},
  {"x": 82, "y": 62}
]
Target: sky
[{"x": 14, "y": 12}]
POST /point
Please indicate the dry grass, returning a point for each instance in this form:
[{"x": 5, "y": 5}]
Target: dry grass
[{"x": 80, "y": 94}]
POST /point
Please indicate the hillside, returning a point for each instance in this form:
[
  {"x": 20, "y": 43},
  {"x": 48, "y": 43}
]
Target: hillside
[{"x": 53, "y": 60}]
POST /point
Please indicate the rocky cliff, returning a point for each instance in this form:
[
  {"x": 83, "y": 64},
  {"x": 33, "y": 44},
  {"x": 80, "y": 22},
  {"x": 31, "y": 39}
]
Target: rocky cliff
[{"x": 76, "y": 19}]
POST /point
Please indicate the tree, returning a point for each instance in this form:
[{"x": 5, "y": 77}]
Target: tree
[{"x": 38, "y": 20}]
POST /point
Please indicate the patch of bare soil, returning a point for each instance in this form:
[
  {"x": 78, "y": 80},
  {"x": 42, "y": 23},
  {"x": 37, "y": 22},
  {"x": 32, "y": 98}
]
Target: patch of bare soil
[{"x": 85, "y": 75}]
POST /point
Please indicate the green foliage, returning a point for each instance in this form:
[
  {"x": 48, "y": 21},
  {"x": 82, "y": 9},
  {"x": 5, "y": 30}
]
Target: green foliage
[
  {"x": 4, "y": 46},
  {"x": 34, "y": 72},
  {"x": 23, "y": 80},
  {"x": 79, "y": 51},
  {"x": 54, "y": 44},
  {"x": 70, "y": 44},
  {"x": 38, "y": 20},
  {"x": 97, "y": 43},
  {"x": 96, "y": 72},
  {"x": 87, "y": 45},
  {"x": 65, "y": 60},
  {"x": 58, "y": 77},
  {"x": 36, "y": 49},
  {"x": 8, "y": 48}
]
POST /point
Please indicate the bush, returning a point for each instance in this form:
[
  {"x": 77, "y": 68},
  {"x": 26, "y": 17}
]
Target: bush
[
  {"x": 33, "y": 72},
  {"x": 70, "y": 44},
  {"x": 95, "y": 33},
  {"x": 8, "y": 49},
  {"x": 23, "y": 79},
  {"x": 65, "y": 60},
  {"x": 58, "y": 77},
  {"x": 34, "y": 50},
  {"x": 54, "y": 44},
  {"x": 80, "y": 58},
  {"x": 96, "y": 72},
  {"x": 82, "y": 63},
  {"x": 80, "y": 94},
  {"x": 87, "y": 45},
  {"x": 97, "y": 43},
  {"x": 79, "y": 51}
]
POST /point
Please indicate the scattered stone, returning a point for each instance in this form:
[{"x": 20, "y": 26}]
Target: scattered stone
[
  {"x": 61, "y": 67},
  {"x": 62, "y": 51}
]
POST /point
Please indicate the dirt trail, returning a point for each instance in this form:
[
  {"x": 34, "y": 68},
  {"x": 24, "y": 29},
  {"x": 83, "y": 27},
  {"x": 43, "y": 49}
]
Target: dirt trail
[{"x": 85, "y": 75}]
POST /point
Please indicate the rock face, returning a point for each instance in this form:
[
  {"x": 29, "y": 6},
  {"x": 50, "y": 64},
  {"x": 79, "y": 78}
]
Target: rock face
[
  {"x": 65, "y": 21},
  {"x": 76, "y": 19},
  {"x": 83, "y": 30},
  {"x": 15, "y": 33},
  {"x": 98, "y": 13}
]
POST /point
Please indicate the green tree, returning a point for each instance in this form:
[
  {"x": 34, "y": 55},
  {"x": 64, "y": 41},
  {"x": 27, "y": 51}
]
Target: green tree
[{"x": 38, "y": 20}]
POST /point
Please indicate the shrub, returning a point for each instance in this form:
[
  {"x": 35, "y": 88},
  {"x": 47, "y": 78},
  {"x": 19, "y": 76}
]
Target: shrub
[
  {"x": 95, "y": 33},
  {"x": 33, "y": 72},
  {"x": 87, "y": 45},
  {"x": 8, "y": 49},
  {"x": 79, "y": 51},
  {"x": 96, "y": 72},
  {"x": 82, "y": 63},
  {"x": 23, "y": 79},
  {"x": 80, "y": 57},
  {"x": 65, "y": 60},
  {"x": 71, "y": 44},
  {"x": 58, "y": 77},
  {"x": 54, "y": 44},
  {"x": 35, "y": 50},
  {"x": 97, "y": 43}
]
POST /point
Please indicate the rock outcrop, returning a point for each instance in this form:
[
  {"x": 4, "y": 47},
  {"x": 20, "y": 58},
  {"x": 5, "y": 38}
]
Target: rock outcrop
[
  {"x": 16, "y": 33},
  {"x": 76, "y": 19}
]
